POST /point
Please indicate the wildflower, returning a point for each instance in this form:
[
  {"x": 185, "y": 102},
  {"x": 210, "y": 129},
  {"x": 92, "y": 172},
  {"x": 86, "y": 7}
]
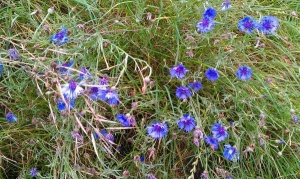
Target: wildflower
[
  {"x": 261, "y": 142},
  {"x": 136, "y": 158},
  {"x": 268, "y": 24},
  {"x": 244, "y": 73},
  {"x": 110, "y": 137},
  {"x": 247, "y": 24},
  {"x": 61, "y": 105},
  {"x": 76, "y": 135},
  {"x": 296, "y": 119},
  {"x": 1, "y": 69},
  {"x": 84, "y": 74},
  {"x": 196, "y": 141},
  {"x": 212, "y": 74},
  {"x": 60, "y": 37},
  {"x": 205, "y": 25},
  {"x": 151, "y": 176},
  {"x": 198, "y": 133},
  {"x": 219, "y": 132},
  {"x": 209, "y": 13},
  {"x": 187, "y": 123},
  {"x": 157, "y": 130},
  {"x": 13, "y": 54},
  {"x": 95, "y": 135},
  {"x": 71, "y": 90},
  {"x": 142, "y": 158},
  {"x": 64, "y": 68},
  {"x": 178, "y": 71},
  {"x": 204, "y": 175},
  {"x": 226, "y": 5},
  {"x": 10, "y": 117},
  {"x": 268, "y": 80},
  {"x": 111, "y": 97},
  {"x": 103, "y": 80},
  {"x": 131, "y": 120},
  {"x": 279, "y": 141},
  {"x": 213, "y": 143},
  {"x": 183, "y": 92},
  {"x": 230, "y": 153},
  {"x": 33, "y": 172},
  {"x": 123, "y": 120},
  {"x": 196, "y": 86}
]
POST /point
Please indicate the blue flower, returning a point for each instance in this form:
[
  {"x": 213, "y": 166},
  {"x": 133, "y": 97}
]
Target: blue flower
[
  {"x": 210, "y": 13},
  {"x": 183, "y": 92},
  {"x": 157, "y": 130},
  {"x": 187, "y": 123},
  {"x": 205, "y": 25},
  {"x": 111, "y": 97},
  {"x": 212, "y": 74},
  {"x": 230, "y": 153},
  {"x": 13, "y": 54},
  {"x": 142, "y": 158},
  {"x": 60, "y": 37},
  {"x": 61, "y": 105},
  {"x": 1, "y": 69},
  {"x": 33, "y": 172},
  {"x": 196, "y": 86},
  {"x": 97, "y": 93},
  {"x": 10, "y": 117},
  {"x": 110, "y": 137},
  {"x": 219, "y": 132},
  {"x": 244, "y": 73},
  {"x": 268, "y": 24},
  {"x": 247, "y": 24},
  {"x": 178, "y": 71},
  {"x": 84, "y": 74},
  {"x": 71, "y": 90},
  {"x": 213, "y": 143},
  {"x": 64, "y": 68},
  {"x": 226, "y": 5},
  {"x": 123, "y": 120}
]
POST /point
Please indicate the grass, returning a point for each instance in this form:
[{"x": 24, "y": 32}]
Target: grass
[{"x": 120, "y": 40}]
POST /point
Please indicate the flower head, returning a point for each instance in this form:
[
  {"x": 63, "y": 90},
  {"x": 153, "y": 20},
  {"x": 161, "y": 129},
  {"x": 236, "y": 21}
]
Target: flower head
[
  {"x": 60, "y": 37},
  {"x": 33, "y": 172},
  {"x": 13, "y": 54},
  {"x": 71, "y": 90},
  {"x": 111, "y": 97},
  {"x": 219, "y": 132},
  {"x": 64, "y": 68},
  {"x": 212, "y": 142},
  {"x": 230, "y": 153},
  {"x": 65, "y": 104},
  {"x": 205, "y": 25},
  {"x": 84, "y": 74},
  {"x": 226, "y": 5},
  {"x": 151, "y": 176},
  {"x": 196, "y": 86},
  {"x": 210, "y": 13},
  {"x": 178, "y": 71},
  {"x": 123, "y": 120},
  {"x": 268, "y": 25},
  {"x": 103, "y": 80},
  {"x": 212, "y": 74},
  {"x": 247, "y": 24},
  {"x": 157, "y": 130},
  {"x": 296, "y": 119},
  {"x": 183, "y": 92},
  {"x": 76, "y": 135},
  {"x": 187, "y": 123},
  {"x": 244, "y": 73},
  {"x": 10, "y": 117}
]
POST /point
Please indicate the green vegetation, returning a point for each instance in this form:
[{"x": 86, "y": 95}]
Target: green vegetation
[{"x": 128, "y": 41}]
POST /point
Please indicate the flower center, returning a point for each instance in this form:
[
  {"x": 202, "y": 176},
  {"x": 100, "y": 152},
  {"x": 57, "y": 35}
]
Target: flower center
[
  {"x": 248, "y": 25},
  {"x": 72, "y": 85},
  {"x": 205, "y": 22},
  {"x": 267, "y": 25}
]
